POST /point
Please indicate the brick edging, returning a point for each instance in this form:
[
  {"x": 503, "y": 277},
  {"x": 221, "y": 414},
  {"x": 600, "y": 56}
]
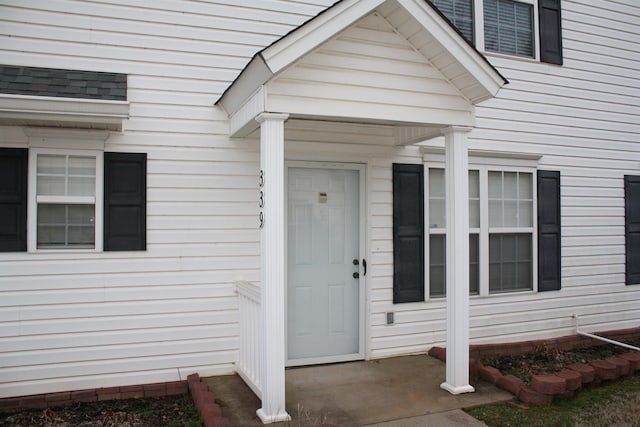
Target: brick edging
[
  {"x": 544, "y": 388},
  {"x": 567, "y": 342},
  {"x": 205, "y": 402},
  {"x": 49, "y": 400}
]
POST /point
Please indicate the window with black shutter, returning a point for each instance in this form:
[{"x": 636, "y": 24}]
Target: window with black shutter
[
  {"x": 549, "y": 231},
  {"x": 632, "y": 229},
  {"x": 125, "y": 203},
  {"x": 13, "y": 199},
  {"x": 408, "y": 233}
]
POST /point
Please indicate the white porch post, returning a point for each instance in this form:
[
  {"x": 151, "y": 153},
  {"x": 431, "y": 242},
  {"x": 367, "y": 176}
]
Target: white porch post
[
  {"x": 457, "y": 213},
  {"x": 272, "y": 262}
]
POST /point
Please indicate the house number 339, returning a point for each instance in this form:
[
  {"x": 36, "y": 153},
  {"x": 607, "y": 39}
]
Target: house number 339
[{"x": 261, "y": 198}]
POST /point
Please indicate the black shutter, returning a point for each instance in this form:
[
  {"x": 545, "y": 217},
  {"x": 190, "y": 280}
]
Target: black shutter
[
  {"x": 125, "y": 201},
  {"x": 548, "y": 231},
  {"x": 632, "y": 228},
  {"x": 408, "y": 233},
  {"x": 550, "y": 31},
  {"x": 13, "y": 199}
]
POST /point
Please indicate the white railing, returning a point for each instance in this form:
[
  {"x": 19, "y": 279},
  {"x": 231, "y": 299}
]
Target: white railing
[{"x": 248, "y": 366}]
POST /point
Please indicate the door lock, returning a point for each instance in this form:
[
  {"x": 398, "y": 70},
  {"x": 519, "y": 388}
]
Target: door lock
[{"x": 356, "y": 262}]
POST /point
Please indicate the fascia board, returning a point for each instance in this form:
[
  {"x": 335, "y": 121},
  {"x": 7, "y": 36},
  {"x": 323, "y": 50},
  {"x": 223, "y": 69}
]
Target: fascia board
[
  {"x": 315, "y": 32},
  {"x": 471, "y": 60}
]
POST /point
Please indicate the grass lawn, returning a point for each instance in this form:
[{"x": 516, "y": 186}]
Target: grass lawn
[{"x": 616, "y": 403}]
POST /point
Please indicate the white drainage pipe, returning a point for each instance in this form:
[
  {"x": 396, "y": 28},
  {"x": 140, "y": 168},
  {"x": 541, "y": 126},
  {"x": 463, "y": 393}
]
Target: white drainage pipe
[{"x": 607, "y": 340}]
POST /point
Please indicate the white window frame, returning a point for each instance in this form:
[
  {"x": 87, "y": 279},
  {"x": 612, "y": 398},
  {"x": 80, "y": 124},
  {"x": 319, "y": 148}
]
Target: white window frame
[
  {"x": 478, "y": 28},
  {"x": 34, "y": 199},
  {"x": 483, "y": 166}
]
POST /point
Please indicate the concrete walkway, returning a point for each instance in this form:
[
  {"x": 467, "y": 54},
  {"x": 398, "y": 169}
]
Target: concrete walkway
[{"x": 395, "y": 392}]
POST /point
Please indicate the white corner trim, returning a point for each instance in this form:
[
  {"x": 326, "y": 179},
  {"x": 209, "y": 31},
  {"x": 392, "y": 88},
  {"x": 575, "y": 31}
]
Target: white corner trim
[{"x": 22, "y": 109}]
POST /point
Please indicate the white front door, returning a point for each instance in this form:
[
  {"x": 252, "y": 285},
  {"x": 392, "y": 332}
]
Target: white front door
[{"x": 323, "y": 293}]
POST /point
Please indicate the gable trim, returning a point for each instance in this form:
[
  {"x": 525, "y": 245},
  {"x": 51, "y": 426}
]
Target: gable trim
[{"x": 302, "y": 40}]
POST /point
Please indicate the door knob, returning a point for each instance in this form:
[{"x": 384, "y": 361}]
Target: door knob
[
  {"x": 356, "y": 275},
  {"x": 355, "y": 261}
]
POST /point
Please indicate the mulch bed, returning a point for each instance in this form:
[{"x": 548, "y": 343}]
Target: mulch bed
[
  {"x": 175, "y": 411},
  {"x": 547, "y": 360}
]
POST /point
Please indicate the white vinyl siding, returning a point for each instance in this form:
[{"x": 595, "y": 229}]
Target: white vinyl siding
[
  {"x": 86, "y": 320},
  {"x": 368, "y": 68},
  {"x": 73, "y": 319}
]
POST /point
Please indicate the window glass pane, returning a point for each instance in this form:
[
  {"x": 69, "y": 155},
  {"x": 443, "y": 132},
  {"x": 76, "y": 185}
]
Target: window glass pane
[
  {"x": 474, "y": 184},
  {"x": 85, "y": 166},
  {"x": 50, "y": 185},
  {"x": 474, "y": 271},
  {"x": 510, "y": 213},
  {"x": 508, "y": 27},
  {"x": 510, "y": 182},
  {"x": 495, "y": 213},
  {"x": 82, "y": 186},
  {"x": 66, "y": 226},
  {"x": 510, "y": 199},
  {"x": 460, "y": 13},
  {"x": 474, "y": 199},
  {"x": 437, "y": 266},
  {"x": 495, "y": 185},
  {"x": 50, "y": 164},
  {"x": 436, "y": 183},
  {"x": 65, "y": 175},
  {"x": 510, "y": 263},
  {"x": 525, "y": 189},
  {"x": 525, "y": 218},
  {"x": 436, "y": 198}
]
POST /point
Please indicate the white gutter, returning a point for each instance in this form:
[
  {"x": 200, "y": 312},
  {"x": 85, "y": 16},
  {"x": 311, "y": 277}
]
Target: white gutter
[{"x": 607, "y": 340}]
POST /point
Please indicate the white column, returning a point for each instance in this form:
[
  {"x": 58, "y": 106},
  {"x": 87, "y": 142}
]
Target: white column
[
  {"x": 457, "y": 212},
  {"x": 272, "y": 262}
]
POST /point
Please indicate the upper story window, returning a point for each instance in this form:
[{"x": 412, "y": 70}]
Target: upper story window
[
  {"x": 508, "y": 27},
  {"x": 460, "y": 13},
  {"x": 527, "y": 28}
]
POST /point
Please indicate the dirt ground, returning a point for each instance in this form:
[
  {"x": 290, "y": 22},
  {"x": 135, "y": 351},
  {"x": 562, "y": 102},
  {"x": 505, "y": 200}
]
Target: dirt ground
[{"x": 172, "y": 411}]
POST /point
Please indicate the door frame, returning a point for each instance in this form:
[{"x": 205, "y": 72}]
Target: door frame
[{"x": 362, "y": 251}]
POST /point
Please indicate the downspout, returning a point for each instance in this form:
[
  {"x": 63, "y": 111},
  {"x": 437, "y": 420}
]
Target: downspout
[{"x": 607, "y": 340}]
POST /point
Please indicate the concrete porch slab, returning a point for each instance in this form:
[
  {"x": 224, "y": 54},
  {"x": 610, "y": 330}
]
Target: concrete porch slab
[{"x": 368, "y": 393}]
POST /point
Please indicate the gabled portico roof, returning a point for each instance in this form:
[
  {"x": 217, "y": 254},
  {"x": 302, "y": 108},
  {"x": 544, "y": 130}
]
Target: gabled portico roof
[{"x": 419, "y": 33}]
